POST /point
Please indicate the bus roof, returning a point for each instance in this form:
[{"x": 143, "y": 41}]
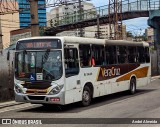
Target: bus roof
[
  {"x": 82, "y": 40},
  {"x": 124, "y": 42}
]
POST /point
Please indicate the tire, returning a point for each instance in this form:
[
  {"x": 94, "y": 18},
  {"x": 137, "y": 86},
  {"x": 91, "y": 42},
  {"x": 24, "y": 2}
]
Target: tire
[
  {"x": 55, "y": 107},
  {"x": 47, "y": 105},
  {"x": 132, "y": 89},
  {"x": 86, "y": 96}
]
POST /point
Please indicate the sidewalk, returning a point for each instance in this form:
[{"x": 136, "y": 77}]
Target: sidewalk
[{"x": 12, "y": 103}]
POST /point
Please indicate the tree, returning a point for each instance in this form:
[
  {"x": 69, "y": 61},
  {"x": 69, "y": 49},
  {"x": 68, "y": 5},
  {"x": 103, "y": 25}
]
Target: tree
[
  {"x": 51, "y": 23},
  {"x": 129, "y": 34}
]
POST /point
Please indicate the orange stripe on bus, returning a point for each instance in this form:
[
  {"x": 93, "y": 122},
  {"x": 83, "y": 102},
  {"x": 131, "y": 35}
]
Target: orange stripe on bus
[
  {"x": 140, "y": 73},
  {"x": 29, "y": 91}
]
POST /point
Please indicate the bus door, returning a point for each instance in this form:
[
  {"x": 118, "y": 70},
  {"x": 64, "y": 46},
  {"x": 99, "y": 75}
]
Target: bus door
[{"x": 73, "y": 84}]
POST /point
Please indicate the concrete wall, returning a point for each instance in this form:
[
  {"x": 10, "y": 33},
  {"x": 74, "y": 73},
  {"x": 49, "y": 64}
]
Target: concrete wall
[
  {"x": 9, "y": 22},
  {"x": 154, "y": 66},
  {"x": 6, "y": 75}
]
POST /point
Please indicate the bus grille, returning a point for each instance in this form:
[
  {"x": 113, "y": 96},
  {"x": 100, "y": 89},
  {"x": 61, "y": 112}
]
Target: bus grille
[
  {"x": 36, "y": 97},
  {"x": 37, "y": 85},
  {"x": 36, "y": 91}
]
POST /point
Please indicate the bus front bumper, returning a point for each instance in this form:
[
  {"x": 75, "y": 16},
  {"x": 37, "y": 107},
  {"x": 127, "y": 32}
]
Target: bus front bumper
[{"x": 41, "y": 99}]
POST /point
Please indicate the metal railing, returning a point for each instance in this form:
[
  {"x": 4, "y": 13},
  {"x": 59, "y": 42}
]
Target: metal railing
[{"x": 127, "y": 6}]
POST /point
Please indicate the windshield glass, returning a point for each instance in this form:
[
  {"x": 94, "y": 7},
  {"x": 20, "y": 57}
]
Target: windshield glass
[{"x": 39, "y": 65}]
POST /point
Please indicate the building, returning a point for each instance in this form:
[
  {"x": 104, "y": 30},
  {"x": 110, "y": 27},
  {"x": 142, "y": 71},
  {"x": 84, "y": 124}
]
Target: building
[
  {"x": 8, "y": 22},
  {"x": 58, "y": 14},
  {"x": 24, "y": 16},
  {"x": 104, "y": 31},
  {"x": 124, "y": 33},
  {"x": 19, "y": 34},
  {"x": 149, "y": 34}
]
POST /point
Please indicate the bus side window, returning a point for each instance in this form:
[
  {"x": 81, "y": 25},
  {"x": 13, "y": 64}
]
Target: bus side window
[
  {"x": 85, "y": 55},
  {"x": 111, "y": 57},
  {"x": 147, "y": 56},
  {"x": 122, "y": 54},
  {"x": 71, "y": 61},
  {"x": 98, "y": 55},
  {"x": 141, "y": 54},
  {"x": 132, "y": 54}
]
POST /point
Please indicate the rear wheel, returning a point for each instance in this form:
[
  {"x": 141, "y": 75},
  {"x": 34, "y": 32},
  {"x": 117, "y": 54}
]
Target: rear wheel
[
  {"x": 86, "y": 96},
  {"x": 132, "y": 86}
]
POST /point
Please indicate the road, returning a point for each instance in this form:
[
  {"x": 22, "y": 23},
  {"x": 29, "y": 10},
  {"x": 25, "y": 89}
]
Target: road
[{"x": 144, "y": 104}]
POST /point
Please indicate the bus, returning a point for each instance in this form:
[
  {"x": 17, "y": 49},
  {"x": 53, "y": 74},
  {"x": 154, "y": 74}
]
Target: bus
[{"x": 64, "y": 70}]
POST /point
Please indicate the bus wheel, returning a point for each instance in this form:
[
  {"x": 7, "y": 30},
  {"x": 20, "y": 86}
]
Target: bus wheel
[
  {"x": 132, "y": 86},
  {"x": 47, "y": 105},
  {"x": 86, "y": 96}
]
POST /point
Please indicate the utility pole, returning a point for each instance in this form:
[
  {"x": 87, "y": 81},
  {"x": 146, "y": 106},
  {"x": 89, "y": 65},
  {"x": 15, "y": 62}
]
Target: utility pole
[
  {"x": 98, "y": 29},
  {"x": 80, "y": 14},
  {"x": 115, "y": 19},
  {"x": 34, "y": 17},
  {"x": 1, "y": 43}
]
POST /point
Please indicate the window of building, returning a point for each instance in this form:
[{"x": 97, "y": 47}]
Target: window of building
[
  {"x": 110, "y": 53},
  {"x": 85, "y": 55},
  {"x": 98, "y": 55}
]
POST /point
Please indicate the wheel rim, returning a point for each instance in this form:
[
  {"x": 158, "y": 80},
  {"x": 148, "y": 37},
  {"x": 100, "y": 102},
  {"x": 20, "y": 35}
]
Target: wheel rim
[
  {"x": 133, "y": 87},
  {"x": 86, "y": 96}
]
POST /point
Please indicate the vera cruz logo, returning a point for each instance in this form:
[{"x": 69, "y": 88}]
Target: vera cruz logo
[{"x": 110, "y": 72}]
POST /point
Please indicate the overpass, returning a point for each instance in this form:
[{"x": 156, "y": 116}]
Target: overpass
[{"x": 130, "y": 10}]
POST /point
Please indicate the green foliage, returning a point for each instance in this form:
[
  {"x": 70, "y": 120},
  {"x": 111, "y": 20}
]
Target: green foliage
[
  {"x": 41, "y": 31},
  {"x": 51, "y": 23},
  {"x": 129, "y": 34}
]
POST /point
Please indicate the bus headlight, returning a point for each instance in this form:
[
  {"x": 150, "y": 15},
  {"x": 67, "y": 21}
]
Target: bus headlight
[
  {"x": 18, "y": 89},
  {"x": 56, "y": 89}
]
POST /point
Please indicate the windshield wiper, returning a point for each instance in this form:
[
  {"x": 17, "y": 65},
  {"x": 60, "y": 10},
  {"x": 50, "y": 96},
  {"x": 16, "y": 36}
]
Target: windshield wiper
[{"x": 45, "y": 58}]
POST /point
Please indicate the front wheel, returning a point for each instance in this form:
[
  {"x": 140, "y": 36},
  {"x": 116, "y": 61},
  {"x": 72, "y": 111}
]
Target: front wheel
[
  {"x": 86, "y": 96},
  {"x": 132, "y": 86}
]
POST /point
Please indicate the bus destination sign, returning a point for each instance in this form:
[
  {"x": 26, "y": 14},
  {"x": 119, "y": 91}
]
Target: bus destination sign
[{"x": 39, "y": 44}]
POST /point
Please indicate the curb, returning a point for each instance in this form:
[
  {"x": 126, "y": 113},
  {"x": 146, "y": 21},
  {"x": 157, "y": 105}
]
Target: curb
[
  {"x": 10, "y": 103},
  {"x": 155, "y": 77}
]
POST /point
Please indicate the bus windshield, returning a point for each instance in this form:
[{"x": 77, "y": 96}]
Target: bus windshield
[{"x": 39, "y": 65}]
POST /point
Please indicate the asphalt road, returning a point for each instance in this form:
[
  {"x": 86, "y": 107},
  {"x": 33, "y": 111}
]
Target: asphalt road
[{"x": 144, "y": 104}]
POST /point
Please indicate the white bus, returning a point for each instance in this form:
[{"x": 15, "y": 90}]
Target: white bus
[{"x": 63, "y": 70}]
